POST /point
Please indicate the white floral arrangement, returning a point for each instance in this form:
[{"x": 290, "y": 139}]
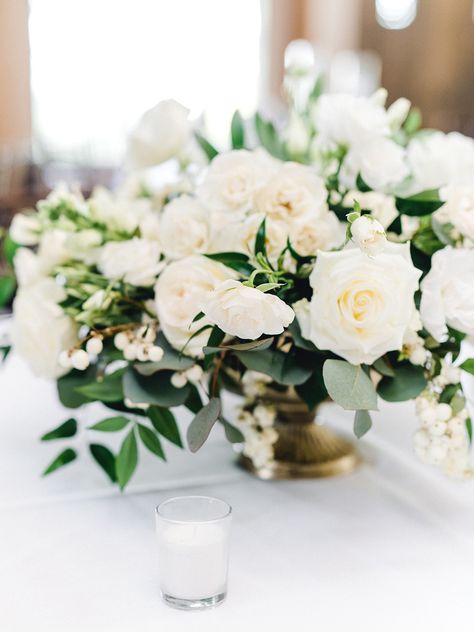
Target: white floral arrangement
[{"x": 334, "y": 256}]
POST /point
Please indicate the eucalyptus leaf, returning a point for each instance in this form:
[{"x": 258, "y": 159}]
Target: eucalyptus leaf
[
  {"x": 67, "y": 387},
  {"x": 382, "y": 366},
  {"x": 284, "y": 368},
  {"x": 164, "y": 422},
  {"x": 233, "y": 434},
  {"x": 313, "y": 391},
  {"x": 66, "y": 456},
  {"x": 349, "y": 386},
  {"x": 254, "y": 345},
  {"x": 111, "y": 424},
  {"x": 202, "y": 424},
  {"x": 151, "y": 441},
  {"x": 298, "y": 339},
  {"x": 105, "y": 459},
  {"x": 66, "y": 429},
  {"x": 194, "y": 402},
  {"x": 155, "y": 389},
  {"x": 127, "y": 459},
  {"x": 362, "y": 423},
  {"x": 407, "y": 383},
  {"x": 172, "y": 359}
]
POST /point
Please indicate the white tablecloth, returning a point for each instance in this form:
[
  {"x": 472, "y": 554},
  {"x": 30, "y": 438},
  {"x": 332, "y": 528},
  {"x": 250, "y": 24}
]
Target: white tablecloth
[{"x": 390, "y": 547}]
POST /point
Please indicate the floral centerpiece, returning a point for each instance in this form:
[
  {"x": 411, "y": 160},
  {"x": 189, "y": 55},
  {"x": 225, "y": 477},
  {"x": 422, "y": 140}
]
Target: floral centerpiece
[{"x": 333, "y": 258}]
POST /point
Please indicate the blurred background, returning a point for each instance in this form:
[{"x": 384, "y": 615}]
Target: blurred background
[{"x": 75, "y": 75}]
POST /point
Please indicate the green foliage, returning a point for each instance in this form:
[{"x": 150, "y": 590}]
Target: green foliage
[
  {"x": 127, "y": 459},
  {"x": 202, "y": 424},
  {"x": 66, "y": 456},
  {"x": 284, "y": 368},
  {"x": 260, "y": 239},
  {"x": 237, "y": 131},
  {"x": 164, "y": 422},
  {"x": 111, "y": 424},
  {"x": 105, "y": 459},
  {"x": 237, "y": 261},
  {"x": 412, "y": 122},
  {"x": 210, "y": 151},
  {"x": 268, "y": 137},
  {"x": 362, "y": 185},
  {"x": 383, "y": 367},
  {"x": 233, "y": 434},
  {"x": 155, "y": 389},
  {"x": 302, "y": 343},
  {"x": 349, "y": 385},
  {"x": 67, "y": 387},
  {"x": 107, "y": 389},
  {"x": 469, "y": 429},
  {"x": 423, "y": 203},
  {"x": 151, "y": 440},
  {"x": 313, "y": 391},
  {"x": 66, "y": 429},
  {"x": 468, "y": 365},
  {"x": 7, "y": 289},
  {"x": 362, "y": 423},
  {"x": 254, "y": 345},
  {"x": 407, "y": 383},
  {"x": 172, "y": 360}
]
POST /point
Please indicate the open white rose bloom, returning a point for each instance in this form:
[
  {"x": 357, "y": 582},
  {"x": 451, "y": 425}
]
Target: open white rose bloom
[{"x": 337, "y": 256}]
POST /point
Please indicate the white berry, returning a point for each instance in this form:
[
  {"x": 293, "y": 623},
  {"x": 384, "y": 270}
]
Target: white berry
[
  {"x": 121, "y": 340},
  {"x": 65, "y": 359},
  {"x": 94, "y": 346},
  {"x": 130, "y": 352},
  {"x": 80, "y": 360},
  {"x": 178, "y": 380},
  {"x": 155, "y": 353},
  {"x": 443, "y": 412}
]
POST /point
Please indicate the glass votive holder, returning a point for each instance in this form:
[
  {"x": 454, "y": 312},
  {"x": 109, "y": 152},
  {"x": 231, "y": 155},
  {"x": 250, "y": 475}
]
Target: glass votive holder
[{"x": 193, "y": 546}]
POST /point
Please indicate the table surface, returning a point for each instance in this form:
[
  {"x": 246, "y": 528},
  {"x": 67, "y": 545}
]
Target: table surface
[{"x": 390, "y": 547}]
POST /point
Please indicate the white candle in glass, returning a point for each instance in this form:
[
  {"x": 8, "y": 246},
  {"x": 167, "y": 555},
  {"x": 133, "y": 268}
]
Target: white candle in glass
[{"x": 193, "y": 543}]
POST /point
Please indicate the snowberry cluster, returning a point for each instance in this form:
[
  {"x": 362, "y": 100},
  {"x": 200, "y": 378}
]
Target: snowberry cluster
[
  {"x": 442, "y": 439},
  {"x": 138, "y": 344},
  {"x": 254, "y": 383},
  {"x": 413, "y": 344},
  {"x": 81, "y": 358},
  {"x": 181, "y": 378},
  {"x": 256, "y": 423}
]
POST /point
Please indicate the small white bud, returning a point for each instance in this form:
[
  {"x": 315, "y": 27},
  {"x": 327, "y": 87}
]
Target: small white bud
[
  {"x": 443, "y": 412},
  {"x": 142, "y": 352},
  {"x": 369, "y": 235},
  {"x": 418, "y": 356},
  {"x": 155, "y": 353},
  {"x": 178, "y": 380},
  {"x": 80, "y": 360},
  {"x": 65, "y": 359},
  {"x": 130, "y": 352},
  {"x": 94, "y": 346},
  {"x": 121, "y": 340},
  {"x": 195, "y": 373}
]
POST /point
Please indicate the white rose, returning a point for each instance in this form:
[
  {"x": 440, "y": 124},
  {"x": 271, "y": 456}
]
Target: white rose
[
  {"x": 25, "y": 229},
  {"x": 361, "y": 307},
  {"x": 118, "y": 212},
  {"x": 53, "y": 249},
  {"x": 40, "y": 329},
  {"x": 459, "y": 208},
  {"x": 380, "y": 162},
  {"x": 368, "y": 234},
  {"x": 246, "y": 312},
  {"x": 232, "y": 180},
  {"x": 439, "y": 159},
  {"x": 448, "y": 293},
  {"x": 179, "y": 293},
  {"x": 293, "y": 191},
  {"x": 161, "y": 133},
  {"x": 310, "y": 234},
  {"x": 302, "y": 310},
  {"x": 242, "y": 236},
  {"x": 184, "y": 228},
  {"x": 136, "y": 261},
  {"x": 381, "y": 206},
  {"x": 28, "y": 269}
]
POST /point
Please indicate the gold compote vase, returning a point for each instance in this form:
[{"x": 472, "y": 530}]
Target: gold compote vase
[{"x": 304, "y": 449}]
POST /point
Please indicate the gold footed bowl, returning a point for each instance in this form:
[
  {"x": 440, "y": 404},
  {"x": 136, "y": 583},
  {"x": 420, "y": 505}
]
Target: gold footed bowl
[{"x": 303, "y": 449}]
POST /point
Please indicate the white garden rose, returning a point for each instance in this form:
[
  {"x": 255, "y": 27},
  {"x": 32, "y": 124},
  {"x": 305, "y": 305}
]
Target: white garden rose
[
  {"x": 310, "y": 234},
  {"x": 184, "y": 228},
  {"x": 382, "y": 207},
  {"x": 380, "y": 162},
  {"x": 162, "y": 133},
  {"x": 179, "y": 292},
  {"x": 459, "y": 208},
  {"x": 246, "y": 312},
  {"x": 292, "y": 192},
  {"x": 243, "y": 236},
  {"x": 25, "y": 229},
  {"x": 28, "y": 268},
  {"x": 361, "y": 307},
  {"x": 439, "y": 159},
  {"x": 448, "y": 293},
  {"x": 232, "y": 180},
  {"x": 41, "y": 330},
  {"x": 136, "y": 261},
  {"x": 368, "y": 234}
]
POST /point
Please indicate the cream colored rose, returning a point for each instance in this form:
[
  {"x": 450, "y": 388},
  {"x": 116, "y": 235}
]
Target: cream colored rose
[
  {"x": 25, "y": 229},
  {"x": 293, "y": 192},
  {"x": 246, "y": 312},
  {"x": 184, "y": 228},
  {"x": 181, "y": 288},
  {"x": 232, "y": 180},
  {"x": 361, "y": 307},
  {"x": 162, "y": 133},
  {"x": 136, "y": 261},
  {"x": 459, "y": 208},
  {"x": 41, "y": 330},
  {"x": 448, "y": 293},
  {"x": 245, "y": 233},
  {"x": 324, "y": 232},
  {"x": 368, "y": 234}
]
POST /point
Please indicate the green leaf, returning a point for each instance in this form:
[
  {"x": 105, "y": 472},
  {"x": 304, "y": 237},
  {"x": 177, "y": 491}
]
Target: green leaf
[
  {"x": 237, "y": 261},
  {"x": 382, "y": 366},
  {"x": 151, "y": 441},
  {"x": 233, "y": 434},
  {"x": 202, "y": 424},
  {"x": 9, "y": 249},
  {"x": 155, "y": 389},
  {"x": 254, "y": 345},
  {"x": 164, "y": 422},
  {"x": 210, "y": 151},
  {"x": 449, "y": 393},
  {"x": 457, "y": 403},
  {"x": 237, "y": 131},
  {"x": 313, "y": 391},
  {"x": 111, "y": 424},
  {"x": 469, "y": 429},
  {"x": 260, "y": 238},
  {"x": 194, "y": 401},
  {"x": 127, "y": 459},
  {"x": 423, "y": 203},
  {"x": 362, "y": 185},
  {"x": 68, "y": 384},
  {"x": 108, "y": 389},
  {"x": 66, "y": 456},
  {"x": 7, "y": 288},
  {"x": 317, "y": 89},
  {"x": 268, "y": 137},
  {"x": 362, "y": 423},
  {"x": 349, "y": 386},
  {"x": 468, "y": 365},
  {"x": 407, "y": 383},
  {"x": 66, "y": 429},
  {"x": 284, "y": 368},
  {"x": 413, "y": 121},
  {"x": 104, "y": 457},
  {"x": 4, "y": 352},
  {"x": 298, "y": 339}
]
